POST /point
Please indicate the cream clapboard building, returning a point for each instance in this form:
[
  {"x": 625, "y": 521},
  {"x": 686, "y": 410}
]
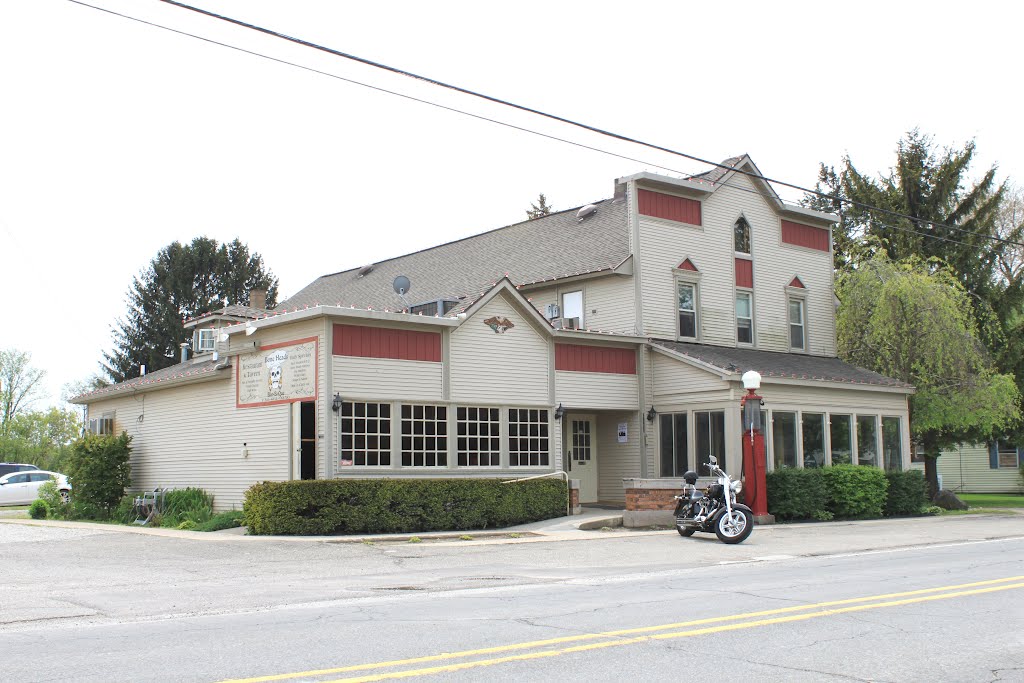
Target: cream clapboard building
[{"x": 607, "y": 342}]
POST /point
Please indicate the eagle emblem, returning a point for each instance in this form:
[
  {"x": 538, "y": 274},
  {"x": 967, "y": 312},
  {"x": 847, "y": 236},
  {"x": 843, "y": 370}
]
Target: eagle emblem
[{"x": 499, "y": 324}]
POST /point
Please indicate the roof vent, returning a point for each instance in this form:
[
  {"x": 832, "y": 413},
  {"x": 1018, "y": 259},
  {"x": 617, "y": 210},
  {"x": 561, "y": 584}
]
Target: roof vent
[
  {"x": 365, "y": 270},
  {"x": 585, "y": 211}
]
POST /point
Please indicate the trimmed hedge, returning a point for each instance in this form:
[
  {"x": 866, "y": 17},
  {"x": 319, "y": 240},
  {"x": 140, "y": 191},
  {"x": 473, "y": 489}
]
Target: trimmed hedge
[
  {"x": 360, "y": 506},
  {"x": 795, "y": 493},
  {"x": 855, "y": 491},
  {"x": 842, "y": 491},
  {"x": 908, "y": 493}
]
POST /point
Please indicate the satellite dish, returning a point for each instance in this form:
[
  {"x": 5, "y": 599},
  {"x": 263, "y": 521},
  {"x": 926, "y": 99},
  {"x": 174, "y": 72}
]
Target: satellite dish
[{"x": 402, "y": 285}]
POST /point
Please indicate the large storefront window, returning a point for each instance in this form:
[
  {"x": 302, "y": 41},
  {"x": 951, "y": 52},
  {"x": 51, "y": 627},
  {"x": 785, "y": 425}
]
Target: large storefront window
[
  {"x": 424, "y": 436},
  {"x": 365, "y": 434},
  {"x": 528, "y": 438},
  {"x": 841, "y": 436},
  {"x": 867, "y": 440},
  {"x": 710, "y": 439},
  {"x": 784, "y": 439},
  {"x": 674, "y": 441},
  {"x": 814, "y": 439},
  {"x": 477, "y": 438},
  {"x": 892, "y": 443}
]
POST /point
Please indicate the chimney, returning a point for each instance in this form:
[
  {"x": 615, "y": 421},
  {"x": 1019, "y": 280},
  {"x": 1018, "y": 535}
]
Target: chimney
[
  {"x": 184, "y": 351},
  {"x": 257, "y": 298}
]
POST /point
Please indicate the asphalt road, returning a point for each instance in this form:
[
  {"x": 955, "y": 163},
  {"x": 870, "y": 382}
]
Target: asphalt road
[{"x": 930, "y": 600}]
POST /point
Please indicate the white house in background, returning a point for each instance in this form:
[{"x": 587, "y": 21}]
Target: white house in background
[
  {"x": 980, "y": 468},
  {"x": 606, "y": 341}
]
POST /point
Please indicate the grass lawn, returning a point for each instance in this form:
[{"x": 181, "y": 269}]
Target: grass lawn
[{"x": 992, "y": 500}]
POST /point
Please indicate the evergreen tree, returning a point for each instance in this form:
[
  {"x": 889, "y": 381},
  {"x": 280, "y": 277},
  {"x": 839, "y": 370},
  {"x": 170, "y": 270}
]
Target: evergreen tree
[
  {"x": 181, "y": 282},
  {"x": 539, "y": 208}
]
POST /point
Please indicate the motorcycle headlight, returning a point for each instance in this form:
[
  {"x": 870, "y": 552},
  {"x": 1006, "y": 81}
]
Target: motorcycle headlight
[{"x": 736, "y": 486}]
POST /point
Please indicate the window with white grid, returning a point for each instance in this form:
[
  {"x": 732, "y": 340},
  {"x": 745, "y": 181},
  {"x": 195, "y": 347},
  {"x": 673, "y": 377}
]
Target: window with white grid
[
  {"x": 424, "y": 436},
  {"x": 478, "y": 437},
  {"x": 365, "y": 434},
  {"x": 528, "y": 437}
]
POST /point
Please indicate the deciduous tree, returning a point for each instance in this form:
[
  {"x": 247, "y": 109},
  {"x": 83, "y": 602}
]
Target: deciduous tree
[
  {"x": 912, "y": 321},
  {"x": 20, "y": 385}
]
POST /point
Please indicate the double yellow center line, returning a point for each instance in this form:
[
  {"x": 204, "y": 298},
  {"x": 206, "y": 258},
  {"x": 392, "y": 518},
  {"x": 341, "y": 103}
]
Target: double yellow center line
[{"x": 555, "y": 647}]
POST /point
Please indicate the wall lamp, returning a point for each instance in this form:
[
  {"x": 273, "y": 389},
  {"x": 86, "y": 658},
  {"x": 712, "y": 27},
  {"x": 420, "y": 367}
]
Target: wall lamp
[
  {"x": 336, "y": 403},
  {"x": 651, "y": 414},
  {"x": 559, "y": 412}
]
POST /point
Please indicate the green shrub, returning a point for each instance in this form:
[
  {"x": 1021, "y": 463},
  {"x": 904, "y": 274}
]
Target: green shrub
[
  {"x": 125, "y": 510},
  {"x": 38, "y": 509},
  {"x": 99, "y": 470},
  {"x": 855, "y": 491},
  {"x": 933, "y": 510},
  {"x": 907, "y": 493},
  {"x": 223, "y": 520},
  {"x": 353, "y": 506},
  {"x": 187, "y": 525},
  {"x": 186, "y": 505},
  {"x": 50, "y": 494},
  {"x": 823, "y": 516},
  {"x": 795, "y": 493}
]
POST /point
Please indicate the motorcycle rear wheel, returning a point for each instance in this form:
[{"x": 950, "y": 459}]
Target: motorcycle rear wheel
[{"x": 734, "y": 527}]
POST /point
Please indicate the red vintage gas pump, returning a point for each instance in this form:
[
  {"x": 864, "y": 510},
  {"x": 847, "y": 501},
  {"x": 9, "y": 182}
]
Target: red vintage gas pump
[{"x": 754, "y": 487}]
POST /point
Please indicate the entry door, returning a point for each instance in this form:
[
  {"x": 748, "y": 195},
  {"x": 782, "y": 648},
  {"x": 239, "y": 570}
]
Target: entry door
[
  {"x": 303, "y": 440},
  {"x": 582, "y": 455}
]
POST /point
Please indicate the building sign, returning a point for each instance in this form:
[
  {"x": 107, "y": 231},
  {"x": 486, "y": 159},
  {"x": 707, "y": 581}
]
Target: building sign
[
  {"x": 622, "y": 433},
  {"x": 278, "y": 373}
]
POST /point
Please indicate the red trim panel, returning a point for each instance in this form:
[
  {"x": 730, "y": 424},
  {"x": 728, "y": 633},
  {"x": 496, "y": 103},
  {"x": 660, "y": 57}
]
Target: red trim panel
[
  {"x": 744, "y": 273},
  {"x": 669, "y": 206},
  {"x": 688, "y": 265},
  {"x": 805, "y": 236},
  {"x": 579, "y": 358},
  {"x": 384, "y": 342},
  {"x": 795, "y": 282}
]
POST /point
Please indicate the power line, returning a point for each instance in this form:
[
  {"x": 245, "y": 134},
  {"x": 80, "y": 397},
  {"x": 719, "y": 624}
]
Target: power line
[
  {"x": 584, "y": 126},
  {"x": 524, "y": 129}
]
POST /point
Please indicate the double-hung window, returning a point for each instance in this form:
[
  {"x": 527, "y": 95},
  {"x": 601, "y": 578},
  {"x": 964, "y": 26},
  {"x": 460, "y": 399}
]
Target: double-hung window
[
  {"x": 744, "y": 318},
  {"x": 205, "y": 341},
  {"x": 687, "y": 292},
  {"x": 797, "y": 339}
]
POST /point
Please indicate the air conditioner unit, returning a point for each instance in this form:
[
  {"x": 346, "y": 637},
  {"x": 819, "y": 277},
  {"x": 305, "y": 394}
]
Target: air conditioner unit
[
  {"x": 551, "y": 311},
  {"x": 566, "y": 323}
]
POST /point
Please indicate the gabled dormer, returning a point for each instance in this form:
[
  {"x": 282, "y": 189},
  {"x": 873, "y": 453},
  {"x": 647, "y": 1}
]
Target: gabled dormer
[{"x": 206, "y": 328}]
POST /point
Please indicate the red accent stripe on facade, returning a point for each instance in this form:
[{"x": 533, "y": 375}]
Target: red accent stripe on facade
[
  {"x": 688, "y": 265},
  {"x": 744, "y": 273},
  {"x": 579, "y": 358},
  {"x": 795, "y": 282},
  {"x": 669, "y": 206},
  {"x": 805, "y": 236},
  {"x": 384, "y": 342}
]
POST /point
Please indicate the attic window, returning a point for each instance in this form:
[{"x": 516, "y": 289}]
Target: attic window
[
  {"x": 205, "y": 340},
  {"x": 742, "y": 236}
]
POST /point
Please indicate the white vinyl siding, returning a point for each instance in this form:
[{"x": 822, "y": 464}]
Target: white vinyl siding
[
  {"x": 193, "y": 436},
  {"x": 617, "y": 461},
  {"x": 384, "y": 378},
  {"x": 609, "y": 303},
  {"x": 489, "y": 368},
  {"x": 711, "y": 248},
  {"x": 596, "y": 390}
]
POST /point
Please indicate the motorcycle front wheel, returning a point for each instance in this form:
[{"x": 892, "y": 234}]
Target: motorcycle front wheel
[{"x": 734, "y": 527}]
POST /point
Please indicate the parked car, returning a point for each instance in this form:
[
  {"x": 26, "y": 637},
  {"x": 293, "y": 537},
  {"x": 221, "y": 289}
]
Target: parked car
[
  {"x": 21, "y": 488},
  {"x": 8, "y": 467}
]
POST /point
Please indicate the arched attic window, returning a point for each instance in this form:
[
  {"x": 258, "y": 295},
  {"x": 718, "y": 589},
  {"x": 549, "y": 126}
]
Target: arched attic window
[{"x": 741, "y": 236}]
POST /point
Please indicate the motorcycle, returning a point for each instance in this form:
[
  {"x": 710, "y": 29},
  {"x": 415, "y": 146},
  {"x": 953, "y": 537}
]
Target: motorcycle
[{"x": 713, "y": 509}]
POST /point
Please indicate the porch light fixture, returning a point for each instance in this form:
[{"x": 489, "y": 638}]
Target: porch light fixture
[
  {"x": 336, "y": 403},
  {"x": 559, "y": 412},
  {"x": 651, "y": 414}
]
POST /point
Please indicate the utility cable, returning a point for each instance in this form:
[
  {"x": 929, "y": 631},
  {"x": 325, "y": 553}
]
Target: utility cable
[
  {"x": 584, "y": 126},
  {"x": 528, "y": 130}
]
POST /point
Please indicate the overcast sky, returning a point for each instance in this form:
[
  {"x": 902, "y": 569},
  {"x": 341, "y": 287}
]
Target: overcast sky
[{"x": 117, "y": 138}]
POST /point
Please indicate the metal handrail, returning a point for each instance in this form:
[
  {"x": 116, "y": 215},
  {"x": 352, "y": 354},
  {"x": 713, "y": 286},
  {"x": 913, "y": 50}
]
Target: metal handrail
[{"x": 559, "y": 473}]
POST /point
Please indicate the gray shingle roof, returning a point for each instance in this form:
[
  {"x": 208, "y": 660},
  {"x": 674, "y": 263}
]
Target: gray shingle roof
[
  {"x": 781, "y": 365},
  {"x": 179, "y": 371},
  {"x": 546, "y": 248},
  {"x": 232, "y": 311},
  {"x": 717, "y": 173}
]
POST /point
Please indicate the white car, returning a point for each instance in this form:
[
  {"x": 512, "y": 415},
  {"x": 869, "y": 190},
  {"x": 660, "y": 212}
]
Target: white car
[{"x": 21, "y": 488}]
